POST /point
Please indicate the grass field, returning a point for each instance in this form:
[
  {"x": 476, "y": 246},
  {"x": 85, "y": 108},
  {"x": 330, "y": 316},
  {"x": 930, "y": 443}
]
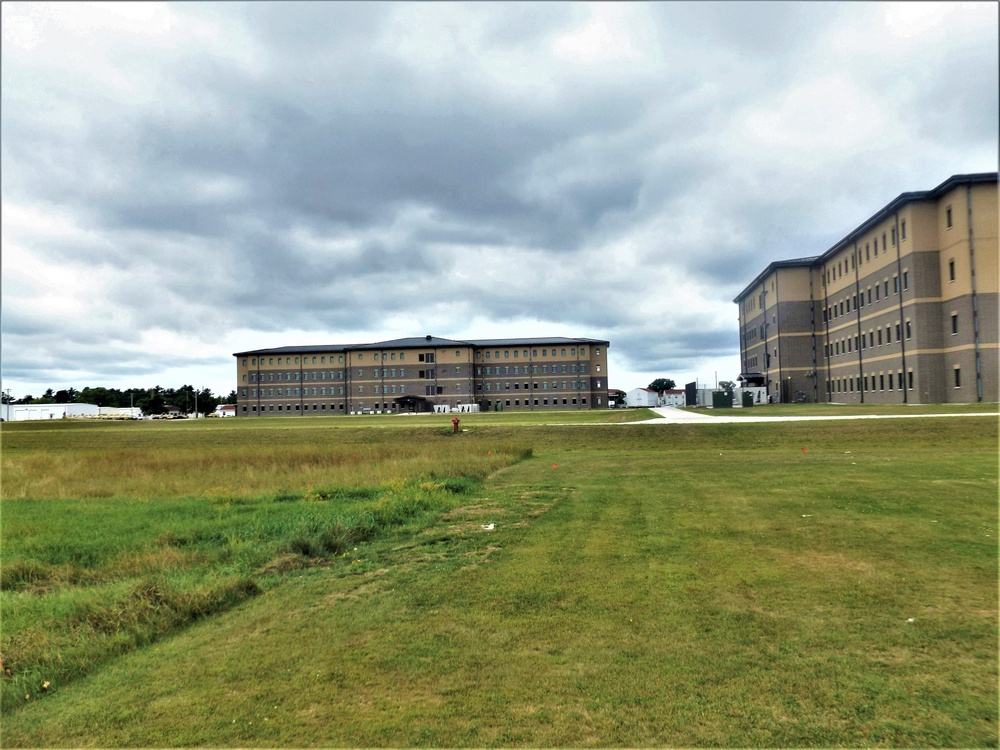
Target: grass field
[
  {"x": 842, "y": 410},
  {"x": 329, "y": 582}
]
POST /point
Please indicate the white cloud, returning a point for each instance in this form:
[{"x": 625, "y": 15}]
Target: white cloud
[{"x": 182, "y": 181}]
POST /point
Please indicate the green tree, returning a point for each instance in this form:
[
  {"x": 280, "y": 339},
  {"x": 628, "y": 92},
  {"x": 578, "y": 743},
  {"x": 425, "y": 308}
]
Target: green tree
[
  {"x": 231, "y": 398},
  {"x": 207, "y": 401},
  {"x": 617, "y": 397},
  {"x": 661, "y": 384},
  {"x": 98, "y": 396},
  {"x": 151, "y": 401},
  {"x": 728, "y": 386},
  {"x": 66, "y": 396}
]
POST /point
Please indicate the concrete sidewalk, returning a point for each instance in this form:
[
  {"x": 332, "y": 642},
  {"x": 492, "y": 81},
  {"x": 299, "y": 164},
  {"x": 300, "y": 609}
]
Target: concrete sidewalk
[{"x": 673, "y": 415}]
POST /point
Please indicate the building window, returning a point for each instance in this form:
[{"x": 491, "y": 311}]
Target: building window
[
  {"x": 906, "y": 280},
  {"x": 954, "y": 323},
  {"x": 958, "y": 377},
  {"x": 909, "y": 331},
  {"x": 947, "y": 217},
  {"x": 909, "y": 379},
  {"x": 894, "y": 236},
  {"x": 902, "y": 229},
  {"x": 951, "y": 270}
]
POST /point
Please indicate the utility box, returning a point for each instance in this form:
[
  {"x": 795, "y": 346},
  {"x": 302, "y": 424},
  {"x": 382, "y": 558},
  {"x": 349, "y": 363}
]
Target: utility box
[
  {"x": 721, "y": 400},
  {"x": 747, "y": 398}
]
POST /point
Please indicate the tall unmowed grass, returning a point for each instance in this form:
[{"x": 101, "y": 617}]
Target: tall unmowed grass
[
  {"x": 108, "y": 548},
  {"x": 177, "y": 466}
]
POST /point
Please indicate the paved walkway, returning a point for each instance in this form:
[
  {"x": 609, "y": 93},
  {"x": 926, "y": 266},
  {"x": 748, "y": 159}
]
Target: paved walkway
[{"x": 672, "y": 415}]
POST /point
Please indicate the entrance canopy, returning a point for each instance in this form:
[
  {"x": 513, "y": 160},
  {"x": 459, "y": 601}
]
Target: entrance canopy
[
  {"x": 413, "y": 403},
  {"x": 752, "y": 379}
]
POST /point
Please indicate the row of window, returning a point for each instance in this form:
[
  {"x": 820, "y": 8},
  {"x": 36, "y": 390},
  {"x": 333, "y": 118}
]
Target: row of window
[
  {"x": 857, "y": 301},
  {"x": 421, "y": 374},
  {"x": 305, "y": 360},
  {"x": 534, "y": 353},
  {"x": 545, "y": 401},
  {"x": 848, "y": 344},
  {"x": 844, "y": 345},
  {"x": 576, "y": 385},
  {"x": 424, "y": 357},
  {"x": 861, "y": 384},
  {"x": 272, "y": 376},
  {"x": 855, "y": 259},
  {"x": 533, "y": 369},
  {"x": 271, "y": 392}
]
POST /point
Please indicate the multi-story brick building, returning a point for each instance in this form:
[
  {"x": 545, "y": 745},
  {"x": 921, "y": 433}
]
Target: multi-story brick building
[
  {"x": 904, "y": 309},
  {"x": 419, "y": 374}
]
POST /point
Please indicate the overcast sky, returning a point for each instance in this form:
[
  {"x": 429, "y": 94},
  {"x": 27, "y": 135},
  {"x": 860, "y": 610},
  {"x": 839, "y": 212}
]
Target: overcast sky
[{"x": 185, "y": 181}]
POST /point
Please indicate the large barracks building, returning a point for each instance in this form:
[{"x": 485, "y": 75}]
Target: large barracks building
[
  {"x": 902, "y": 310},
  {"x": 423, "y": 374}
]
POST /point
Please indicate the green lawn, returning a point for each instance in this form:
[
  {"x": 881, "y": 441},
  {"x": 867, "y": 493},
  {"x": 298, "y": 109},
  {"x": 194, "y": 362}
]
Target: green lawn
[
  {"x": 801, "y": 584},
  {"x": 843, "y": 410}
]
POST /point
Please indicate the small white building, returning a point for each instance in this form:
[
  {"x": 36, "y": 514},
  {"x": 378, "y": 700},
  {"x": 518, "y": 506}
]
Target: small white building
[
  {"x": 32, "y": 412},
  {"x": 644, "y": 397},
  {"x": 641, "y": 397},
  {"x": 225, "y": 410},
  {"x": 674, "y": 397}
]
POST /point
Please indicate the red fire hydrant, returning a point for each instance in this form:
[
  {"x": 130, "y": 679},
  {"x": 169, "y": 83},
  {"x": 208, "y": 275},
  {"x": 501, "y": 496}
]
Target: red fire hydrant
[{"x": 454, "y": 424}]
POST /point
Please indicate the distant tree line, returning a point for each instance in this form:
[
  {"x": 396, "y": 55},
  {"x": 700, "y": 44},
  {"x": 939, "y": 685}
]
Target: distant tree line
[{"x": 151, "y": 400}]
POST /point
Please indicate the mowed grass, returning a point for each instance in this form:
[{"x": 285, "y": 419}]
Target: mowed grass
[
  {"x": 843, "y": 410},
  {"x": 719, "y": 585}
]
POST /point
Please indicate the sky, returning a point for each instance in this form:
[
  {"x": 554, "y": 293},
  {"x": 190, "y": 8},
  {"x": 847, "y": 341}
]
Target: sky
[{"x": 185, "y": 181}]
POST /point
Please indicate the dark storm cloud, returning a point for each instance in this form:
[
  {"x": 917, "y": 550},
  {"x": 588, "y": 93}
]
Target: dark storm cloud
[{"x": 610, "y": 170}]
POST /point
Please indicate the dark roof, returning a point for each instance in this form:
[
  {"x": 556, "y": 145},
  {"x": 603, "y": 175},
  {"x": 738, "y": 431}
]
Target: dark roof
[
  {"x": 794, "y": 263},
  {"x": 413, "y": 342},
  {"x": 977, "y": 178},
  {"x": 536, "y": 341},
  {"x": 418, "y": 342}
]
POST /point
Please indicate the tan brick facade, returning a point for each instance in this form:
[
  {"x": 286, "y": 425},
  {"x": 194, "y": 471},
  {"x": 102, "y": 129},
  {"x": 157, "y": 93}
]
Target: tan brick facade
[
  {"x": 419, "y": 374},
  {"x": 903, "y": 309}
]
